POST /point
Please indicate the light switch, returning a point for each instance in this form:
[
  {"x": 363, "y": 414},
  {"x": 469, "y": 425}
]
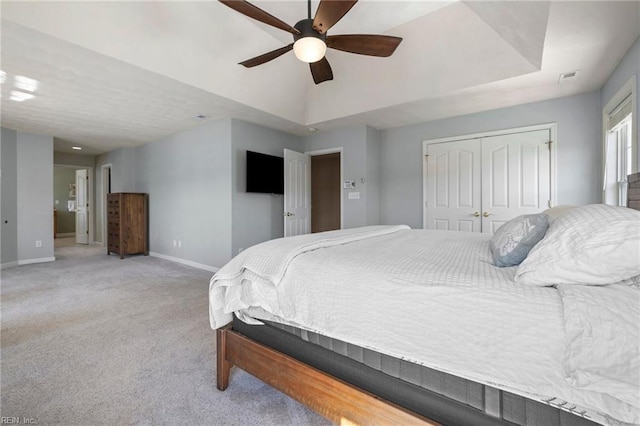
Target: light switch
[{"x": 354, "y": 195}]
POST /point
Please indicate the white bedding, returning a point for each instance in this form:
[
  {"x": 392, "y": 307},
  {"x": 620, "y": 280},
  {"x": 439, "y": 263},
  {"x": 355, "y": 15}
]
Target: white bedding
[{"x": 432, "y": 297}]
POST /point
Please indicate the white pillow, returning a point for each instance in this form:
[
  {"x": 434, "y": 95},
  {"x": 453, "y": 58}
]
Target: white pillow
[
  {"x": 555, "y": 212},
  {"x": 594, "y": 244}
]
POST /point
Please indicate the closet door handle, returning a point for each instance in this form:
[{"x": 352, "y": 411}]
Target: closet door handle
[
  {"x": 486, "y": 214},
  {"x": 475, "y": 214}
]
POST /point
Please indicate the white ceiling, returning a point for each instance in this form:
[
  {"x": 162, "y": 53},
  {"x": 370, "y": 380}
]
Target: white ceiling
[{"x": 115, "y": 74}]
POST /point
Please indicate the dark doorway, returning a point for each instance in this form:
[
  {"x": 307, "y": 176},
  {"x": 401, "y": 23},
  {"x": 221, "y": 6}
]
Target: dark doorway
[{"x": 325, "y": 192}]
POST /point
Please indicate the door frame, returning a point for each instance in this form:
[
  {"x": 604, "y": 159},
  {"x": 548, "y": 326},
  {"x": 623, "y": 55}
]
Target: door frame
[
  {"x": 103, "y": 197},
  {"x": 553, "y": 131},
  {"x": 335, "y": 150},
  {"x": 90, "y": 195}
]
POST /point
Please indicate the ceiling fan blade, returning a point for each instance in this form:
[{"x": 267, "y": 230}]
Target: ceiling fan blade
[
  {"x": 321, "y": 71},
  {"x": 364, "y": 44},
  {"x": 259, "y": 60},
  {"x": 258, "y": 14},
  {"x": 329, "y": 12}
]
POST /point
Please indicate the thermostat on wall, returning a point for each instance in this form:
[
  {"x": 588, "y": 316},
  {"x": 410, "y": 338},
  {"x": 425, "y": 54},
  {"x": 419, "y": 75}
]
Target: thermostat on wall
[{"x": 349, "y": 184}]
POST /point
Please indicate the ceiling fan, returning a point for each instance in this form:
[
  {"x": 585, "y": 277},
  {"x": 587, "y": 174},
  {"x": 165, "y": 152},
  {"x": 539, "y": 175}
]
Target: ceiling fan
[{"x": 310, "y": 36}]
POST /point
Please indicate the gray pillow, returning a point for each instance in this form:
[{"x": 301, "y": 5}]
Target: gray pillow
[{"x": 512, "y": 242}]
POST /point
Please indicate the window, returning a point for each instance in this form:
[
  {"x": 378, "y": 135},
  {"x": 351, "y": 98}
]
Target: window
[
  {"x": 618, "y": 163},
  {"x": 619, "y": 145}
]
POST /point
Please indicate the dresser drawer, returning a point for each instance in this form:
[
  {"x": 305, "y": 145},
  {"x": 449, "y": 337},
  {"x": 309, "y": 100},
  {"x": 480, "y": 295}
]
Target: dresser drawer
[{"x": 113, "y": 213}]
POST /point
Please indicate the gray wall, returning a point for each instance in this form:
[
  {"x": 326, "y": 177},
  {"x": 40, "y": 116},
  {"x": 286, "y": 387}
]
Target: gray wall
[
  {"x": 122, "y": 180},
  {"x": 9, "y": 191},
  {"x": 195, "y": 182},
  {"x": 578, "y": 147},
  {"x": 372, "y": 182},
  {"x": 629, "y": 67},
  {"x": 35, "y": 192},
  {"x": 188, "y": 179},
  {"x": 256, "y": 217},
  {"x": 69, "y": 159},
  {"x": 62, "y": 177},
  {"x": 122, "y": 170}
]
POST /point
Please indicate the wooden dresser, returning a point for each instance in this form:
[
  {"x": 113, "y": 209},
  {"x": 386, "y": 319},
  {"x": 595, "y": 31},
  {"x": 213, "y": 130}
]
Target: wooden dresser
[{"x": 127, "y": 223}]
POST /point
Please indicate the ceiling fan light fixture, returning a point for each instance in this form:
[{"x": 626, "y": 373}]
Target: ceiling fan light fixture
[
  {"x": 309, "y": 46},
  {"x": 309, "y": 49}
]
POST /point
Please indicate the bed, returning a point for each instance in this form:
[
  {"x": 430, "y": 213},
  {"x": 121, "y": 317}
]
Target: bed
[{"x": 389, "y": 325}]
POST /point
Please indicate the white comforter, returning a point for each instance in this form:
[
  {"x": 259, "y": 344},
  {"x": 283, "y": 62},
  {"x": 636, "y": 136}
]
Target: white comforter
[{"x": 434, "y": 298}]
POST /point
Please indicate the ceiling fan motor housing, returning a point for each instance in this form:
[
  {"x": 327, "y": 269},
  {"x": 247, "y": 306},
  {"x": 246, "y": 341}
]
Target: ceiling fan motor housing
[{"x": 306, "y": 30}]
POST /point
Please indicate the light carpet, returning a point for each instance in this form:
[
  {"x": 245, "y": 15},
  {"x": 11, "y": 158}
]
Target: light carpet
[{"x": 91, "y": 339}]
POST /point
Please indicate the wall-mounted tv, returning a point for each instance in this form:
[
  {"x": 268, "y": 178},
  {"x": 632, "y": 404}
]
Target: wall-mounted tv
[{"x": 265, "y": 173}]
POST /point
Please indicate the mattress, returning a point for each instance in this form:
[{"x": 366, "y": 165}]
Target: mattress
[
  {"x": 435, "y": 300},
  {"x": 443, "y": 397}
]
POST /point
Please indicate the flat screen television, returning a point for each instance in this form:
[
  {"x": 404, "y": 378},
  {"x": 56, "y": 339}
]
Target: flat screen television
[{"x": 265, "y": 173}]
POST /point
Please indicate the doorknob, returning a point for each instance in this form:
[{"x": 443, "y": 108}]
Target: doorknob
[
  {"x": 287, "y": 214},
  {"x": 475, "y": 214},
  {"x": 486, "y": 214}
]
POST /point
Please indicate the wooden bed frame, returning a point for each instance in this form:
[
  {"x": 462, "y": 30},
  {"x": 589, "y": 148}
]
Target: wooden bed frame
[{"x": 329, "y": 396}]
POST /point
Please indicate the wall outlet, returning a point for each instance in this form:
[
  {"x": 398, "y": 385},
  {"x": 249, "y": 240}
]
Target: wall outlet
[
  {"x": 38, "y": 243},
  {"x": 179, "y": 244},
  {"x": 175, "y": 243},
  {"x": 354, "y": 196}
]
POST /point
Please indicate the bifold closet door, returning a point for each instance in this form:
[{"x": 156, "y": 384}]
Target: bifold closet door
[
  {"x": 515, "y": 177},
  {"x": 479, "y": 184},
  {"x": 453, "y": 186}
]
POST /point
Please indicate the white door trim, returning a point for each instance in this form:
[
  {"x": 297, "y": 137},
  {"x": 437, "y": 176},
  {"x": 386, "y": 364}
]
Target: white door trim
[
  {"x": 103, "y": 197},
  {"x": 553, "y": 132},
  {"x": 333, "y": 151},
  {"x": 83, "y": 209}
]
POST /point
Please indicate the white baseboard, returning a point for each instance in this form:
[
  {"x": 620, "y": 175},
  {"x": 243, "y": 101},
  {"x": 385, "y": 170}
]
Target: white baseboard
[
  {"x": 40, "y": 260},
  {"x": 65, "y": 234},
  {"x": 9, "y": 265},
  {"x": 185, "y": 262}
]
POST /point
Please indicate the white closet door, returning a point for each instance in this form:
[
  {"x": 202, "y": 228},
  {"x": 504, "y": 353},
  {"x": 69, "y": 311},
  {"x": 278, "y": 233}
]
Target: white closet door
[
  {"x": 297, "y": 193},
  {"x": 515, "y": 177},
  {"x": 453, "y": 186}
]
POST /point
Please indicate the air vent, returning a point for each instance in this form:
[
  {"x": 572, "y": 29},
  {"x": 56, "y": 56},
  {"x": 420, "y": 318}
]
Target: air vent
[{"x": 568, "y": 76}]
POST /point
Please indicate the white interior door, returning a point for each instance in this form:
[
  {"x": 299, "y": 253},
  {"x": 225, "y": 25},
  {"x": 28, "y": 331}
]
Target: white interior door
[
  {"x": 82, "y": 207},
  {"x": 297, "y": 193},
  {"x": 515, "y": 177},
  {"x": 453, "y": 186}
]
